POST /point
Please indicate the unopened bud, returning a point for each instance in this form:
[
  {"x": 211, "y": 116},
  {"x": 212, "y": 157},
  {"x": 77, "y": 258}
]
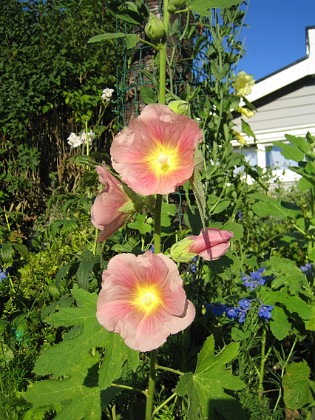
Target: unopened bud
[
  {"x": 239, "y": 138},
  {"x": 155, "y": 30},
  {"x": 179, "y": 107},
  {"x": 248, "y": 113},
  {"x": 180, "y": 251},
  {"x": 175, "y": 5}
]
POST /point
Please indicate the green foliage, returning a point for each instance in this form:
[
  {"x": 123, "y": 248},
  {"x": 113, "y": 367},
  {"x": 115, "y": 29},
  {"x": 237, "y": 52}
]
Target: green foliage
[
  {"x": 77, "y": 380},
  {"x": 206, "y": 387},
  {"x": 298, "y": 389}
]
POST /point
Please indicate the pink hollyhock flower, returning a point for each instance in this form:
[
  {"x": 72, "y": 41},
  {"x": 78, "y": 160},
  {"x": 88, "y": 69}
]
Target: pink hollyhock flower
[
  {"x": 210, "y": 244},
  {"x": 155, "y": 153},
  {"x": 112, "y": 207},
  {"x": 142, "y": 299}
]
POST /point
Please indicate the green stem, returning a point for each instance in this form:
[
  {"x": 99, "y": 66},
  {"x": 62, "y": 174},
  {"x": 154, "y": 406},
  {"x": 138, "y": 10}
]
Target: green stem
[
  {"x": 151, "y": 387},
  {"x": 264, "y": 357},
  {"x": 177, "y": 372},
  {"x": 164, "y": 403},
  {"x": 282, "y": 373},
  {"x": 130, "y": 388},
  {"x": 166, "y": 19},
  {"x": 157, "y": 224},
  {"x": 87, "y": 140}
]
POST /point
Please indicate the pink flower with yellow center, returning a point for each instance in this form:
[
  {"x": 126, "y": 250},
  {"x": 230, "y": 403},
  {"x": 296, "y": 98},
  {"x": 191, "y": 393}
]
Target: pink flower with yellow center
[
  {"x": 155, "y": 153},
  {"x": 112, "y": 207},
  {"x": 142, "y": 299}
]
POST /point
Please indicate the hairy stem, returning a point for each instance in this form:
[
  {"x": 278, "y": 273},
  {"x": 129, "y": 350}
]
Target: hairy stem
[{"x": 151, "y": 387}]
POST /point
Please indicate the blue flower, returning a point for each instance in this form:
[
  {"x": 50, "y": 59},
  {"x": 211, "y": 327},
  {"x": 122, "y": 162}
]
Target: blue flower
[
  {"x": 254, "y": 279},
  {"x": 240, "y": 216},
  {"x": 151, "y": 248},
  {"x": 216, "y": 308},
  {"x": 307, "y": 269},
  {"x": 3, "y": 275},
  {"x": 193, "y": 267},
  {"x": 237, "y": 314},
  {"x": 265, "y": 311},
  {"x": 245, "y": 304}
]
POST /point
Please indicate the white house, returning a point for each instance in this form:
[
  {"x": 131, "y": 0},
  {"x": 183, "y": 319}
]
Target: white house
[{"x": 285, "y": 103}]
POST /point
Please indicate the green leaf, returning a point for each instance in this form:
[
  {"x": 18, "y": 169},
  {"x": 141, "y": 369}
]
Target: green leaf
[
  {"x": 167, "y": 214},
  {"x": 246, "y": 128},
  {"x": 85, "y": 267},
  {"x": 74, "y": 360},
  {"x": 140, "y": 224},
  {"x": 310, "y": 324},
  {"x": 131, "y": 39},
  {"x": 107, "y": 37},
  {"x": 76, "y": 393},
  {"x": 290, "y": 151},
  {"x": 287, "y": 274},
  {"x": 148, "y": 95},
  {"x": 279, "y": 324},
  {"x": 296, "y": 385},
  {"x": 59, "y": 360},
  {"x": 269, "y": 209},
  {"x": 202, "y": 6},
  {"x": 206, "y": 387},
  {"x": 198, "y": 186}
]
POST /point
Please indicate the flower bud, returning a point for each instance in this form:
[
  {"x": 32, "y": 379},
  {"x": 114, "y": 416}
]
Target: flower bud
[
  {"x": 239, "y": 138},
  {"x": 248, "y": 113},
  {"x": 210, "y": 244},
  {"x": 179, "y": 251},
  {"x": 155, "y": 30},
  {"x": 175, "y": 5},
  {"x": 179, "y": 107}
]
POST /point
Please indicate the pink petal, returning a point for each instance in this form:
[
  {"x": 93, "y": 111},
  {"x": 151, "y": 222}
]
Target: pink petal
[
  {"x": 118, "y": 312},
  {"x": 210, "y": 244},
  {"x": 156, "y": 127}
]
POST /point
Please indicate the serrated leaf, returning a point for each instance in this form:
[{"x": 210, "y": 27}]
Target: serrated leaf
[
  {"x": 148, "y": 95},
  {"x": 206, "y": 387},
  {"x": 279, "y": 324},
  {"x": 116, "y": 350},
  {"x": 167, "y": 214},
  {"x": 140, "y": 224},
  {"x": 73, "y": 360},
  {"x": 75, "y": 391},
  {"x": 296, "y": 385},
  {"x": 287, "y": 274},
  {"x": 310, "y": 324},
  {"x": 202, "y": 6},
  {"x": 86, "y": 265},
  {"x": 60, "y": 359}
]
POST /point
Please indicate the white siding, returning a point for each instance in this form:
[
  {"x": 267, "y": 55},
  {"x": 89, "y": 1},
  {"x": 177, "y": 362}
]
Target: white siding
[{"x": 293, "y": 109}]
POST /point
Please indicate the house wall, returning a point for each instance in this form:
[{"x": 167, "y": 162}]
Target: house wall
[
  {"x": 293, "y": 109},
  {"x": 290, "y": 110}
]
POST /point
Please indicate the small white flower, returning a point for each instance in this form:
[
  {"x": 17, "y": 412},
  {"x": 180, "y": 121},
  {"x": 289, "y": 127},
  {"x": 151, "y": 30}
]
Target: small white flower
[
  {"x": 107, "y": 94},
  {"x": 89, "y": 136},
  {"x": 74, "y": 140}
]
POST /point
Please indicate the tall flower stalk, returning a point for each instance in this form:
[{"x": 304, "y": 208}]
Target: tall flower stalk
[{"x": 158, "y": 209}]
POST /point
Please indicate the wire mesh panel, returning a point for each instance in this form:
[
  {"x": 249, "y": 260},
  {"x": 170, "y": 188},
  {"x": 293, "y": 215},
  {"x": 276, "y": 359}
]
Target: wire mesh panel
[{"x": 139, "y": 68}]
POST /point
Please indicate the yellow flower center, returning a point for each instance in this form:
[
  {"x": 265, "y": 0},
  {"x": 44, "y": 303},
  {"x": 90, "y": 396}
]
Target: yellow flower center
[
  {"x": 147, "y": 299},
  {"x": 163, "y": 159}
]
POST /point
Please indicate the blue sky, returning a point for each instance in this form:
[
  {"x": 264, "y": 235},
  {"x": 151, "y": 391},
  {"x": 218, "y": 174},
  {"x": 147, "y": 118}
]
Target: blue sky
[{"x": 275, "y": 36}]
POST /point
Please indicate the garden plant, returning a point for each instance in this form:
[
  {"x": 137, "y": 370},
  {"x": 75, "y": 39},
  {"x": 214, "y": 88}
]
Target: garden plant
[{"x": 142, "y": 275}]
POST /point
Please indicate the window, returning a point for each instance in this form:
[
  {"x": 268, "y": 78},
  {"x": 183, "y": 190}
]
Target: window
[{"x": 275, "y": 160}]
